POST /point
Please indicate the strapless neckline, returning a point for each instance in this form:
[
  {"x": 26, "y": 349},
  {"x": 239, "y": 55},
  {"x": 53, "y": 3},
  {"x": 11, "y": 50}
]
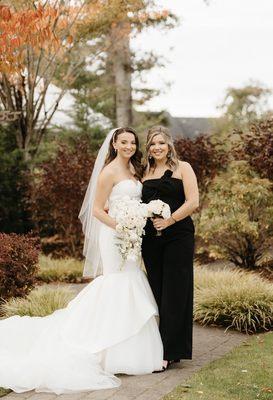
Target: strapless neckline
[
  {"x": 126, "y": 180},
  {"x": 167, "y": 174},
  {"x": 125, "y": 187}
]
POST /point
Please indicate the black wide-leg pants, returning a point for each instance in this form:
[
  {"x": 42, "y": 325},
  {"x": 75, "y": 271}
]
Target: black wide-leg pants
[{"x": 169, "y": 265}]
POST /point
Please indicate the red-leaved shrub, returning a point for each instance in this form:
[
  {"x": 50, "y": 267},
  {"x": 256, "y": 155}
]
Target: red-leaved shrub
[
  {"x": 56, "y": 193},
  {"x": 18, "y": 264},
  {"x": 258, "y": 146},
  {"x": 207, "y": 160},
  {"x": 204, "y": 156}
]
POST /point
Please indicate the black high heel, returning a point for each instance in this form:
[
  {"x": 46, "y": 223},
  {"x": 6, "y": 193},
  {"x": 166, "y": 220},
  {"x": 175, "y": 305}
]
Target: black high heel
[
  {"x": 167, "y": 366},
  {"x": 163, "y": 368}
]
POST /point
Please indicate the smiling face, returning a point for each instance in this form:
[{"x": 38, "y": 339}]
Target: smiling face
[
  {"x": 158, "y": 148},
  {"x": 125, "y": 144}
]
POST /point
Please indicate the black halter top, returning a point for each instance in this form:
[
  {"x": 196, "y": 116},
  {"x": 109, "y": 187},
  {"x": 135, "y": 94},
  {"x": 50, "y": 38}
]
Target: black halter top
[{"x": 171, "y": 191}]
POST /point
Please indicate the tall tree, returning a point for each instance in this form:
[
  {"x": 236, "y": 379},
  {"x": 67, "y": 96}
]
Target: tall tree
[
  {"x": 241, "y": 106},
  {"x": 120, "y": 56},
  {"x": 244, "y": 105},
  {"x": 108, "y": 89}
]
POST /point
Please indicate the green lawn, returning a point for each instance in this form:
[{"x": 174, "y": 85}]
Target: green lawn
[{"x": 246, "y": 373}]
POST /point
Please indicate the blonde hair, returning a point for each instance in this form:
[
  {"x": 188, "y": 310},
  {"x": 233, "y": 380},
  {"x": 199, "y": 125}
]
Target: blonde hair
[{"x": 172, "y": 158}]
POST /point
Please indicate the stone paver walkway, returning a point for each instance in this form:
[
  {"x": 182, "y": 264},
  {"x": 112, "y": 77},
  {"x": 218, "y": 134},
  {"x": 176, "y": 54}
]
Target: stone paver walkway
[{"x": 209, "y": 344}]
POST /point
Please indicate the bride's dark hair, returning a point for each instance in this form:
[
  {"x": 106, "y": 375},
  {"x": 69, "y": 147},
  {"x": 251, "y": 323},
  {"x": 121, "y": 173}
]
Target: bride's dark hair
[{"x": 136, "y": 157}]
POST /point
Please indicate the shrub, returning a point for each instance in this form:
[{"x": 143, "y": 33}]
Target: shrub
[
  {"x": 14, "y": 216},
  {"x": 41, "y": 301},
  {"x": 238, "y": 221},
  {"x": 205, "y": 158},
  {"x": 56, "y": 195},
  {"x": 18, "y": 264},
  {"x": 233, "y": 299},
  {"x": 60, "y": 270},
  {"x": 257, "y": 147}
]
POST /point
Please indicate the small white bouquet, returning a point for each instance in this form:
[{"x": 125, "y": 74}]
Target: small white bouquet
[
  {"x": 158, "y": 209},
  {"x": 131, "y": 216}
]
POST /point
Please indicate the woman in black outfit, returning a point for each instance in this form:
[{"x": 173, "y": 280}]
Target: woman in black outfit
[{"x": 169, "y": 258}]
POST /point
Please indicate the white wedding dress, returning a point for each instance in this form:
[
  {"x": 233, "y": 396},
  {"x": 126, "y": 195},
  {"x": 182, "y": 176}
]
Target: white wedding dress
[{"x": 108, "y": 328}]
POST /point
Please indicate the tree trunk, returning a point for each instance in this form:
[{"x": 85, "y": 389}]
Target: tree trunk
[{"x": 121, "y": 58}]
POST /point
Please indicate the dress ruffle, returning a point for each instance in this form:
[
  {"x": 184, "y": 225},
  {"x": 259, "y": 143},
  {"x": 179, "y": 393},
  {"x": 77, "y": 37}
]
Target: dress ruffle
[{"x": 108, "y": 328}]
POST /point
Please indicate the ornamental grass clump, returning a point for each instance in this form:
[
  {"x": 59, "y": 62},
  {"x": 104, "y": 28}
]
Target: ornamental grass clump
[
  {"x": 60, "y": 270},
  {"x": 233, "y": 299},
  {"x": 40, "y": 302}
]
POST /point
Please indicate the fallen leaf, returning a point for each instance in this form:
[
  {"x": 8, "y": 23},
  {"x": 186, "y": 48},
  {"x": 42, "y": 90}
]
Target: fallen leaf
[{"x": 267, "y": 389}]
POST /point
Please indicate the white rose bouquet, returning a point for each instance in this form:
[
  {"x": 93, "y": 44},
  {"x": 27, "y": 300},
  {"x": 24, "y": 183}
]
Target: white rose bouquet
[
  {"x": 158, "y": 209},
  {"x": 131, "y": 216}
]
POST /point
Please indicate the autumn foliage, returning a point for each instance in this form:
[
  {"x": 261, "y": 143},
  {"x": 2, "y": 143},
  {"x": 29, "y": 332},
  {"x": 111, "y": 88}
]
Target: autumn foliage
[
  {"x": 237, "y": 223},
  {"x": 204, "y": 156},
  {"x": 50, "y": 26},
  {"x": 258, "y": 147},
  {"x": 18, "y": 264},
  {"x": 18, "y": 29},
  {"x": 56, "y": 195}
]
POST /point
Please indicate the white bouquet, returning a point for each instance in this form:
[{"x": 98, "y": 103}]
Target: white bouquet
[
  {"x": 158, "y": 209},
  {"x": 131, "y": 216}
]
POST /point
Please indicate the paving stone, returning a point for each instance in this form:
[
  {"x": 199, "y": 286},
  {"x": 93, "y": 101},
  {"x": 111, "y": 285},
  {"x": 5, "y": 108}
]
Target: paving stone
[
  {"x": 124, "y": 396},
  {"x": 18, "y": 396},
  {"x": 14, "y": 396},
  {"x": 101, "y": 394},
  {"x": 72, "y": 396},
  {"x": 42, "y": 396}
]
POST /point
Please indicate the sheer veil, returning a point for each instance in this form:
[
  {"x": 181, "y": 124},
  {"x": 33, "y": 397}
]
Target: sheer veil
[{"x": 91, "y": 225}]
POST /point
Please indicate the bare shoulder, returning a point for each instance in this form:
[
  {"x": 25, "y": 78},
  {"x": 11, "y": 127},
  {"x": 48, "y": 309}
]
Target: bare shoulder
[
  {"x": 184, "y": 167},
  {"x": 107, "y": 174}
]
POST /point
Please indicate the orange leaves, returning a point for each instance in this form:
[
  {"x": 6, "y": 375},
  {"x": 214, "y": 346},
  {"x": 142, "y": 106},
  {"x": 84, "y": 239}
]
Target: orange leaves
[
  {"x": 15, "y": 42},
  {"x": 5, "y": 13},
  {"x": 69, "y": 39},
  {"x": 40, "y": 27},
  {"x": 144, "y": 17},
  {"x": 165, "y": 13}
]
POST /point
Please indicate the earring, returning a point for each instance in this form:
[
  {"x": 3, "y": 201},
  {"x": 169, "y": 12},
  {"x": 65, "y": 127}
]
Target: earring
[
  {"x": 169, "y": 154},
  {"x": 150, "y": 157}
]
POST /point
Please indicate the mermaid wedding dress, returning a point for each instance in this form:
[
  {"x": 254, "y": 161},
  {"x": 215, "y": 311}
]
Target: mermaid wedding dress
[{"x": 108, "y": 328}]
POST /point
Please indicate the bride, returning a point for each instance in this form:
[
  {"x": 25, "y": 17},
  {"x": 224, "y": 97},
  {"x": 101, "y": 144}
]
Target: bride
[{"x": 110, "y": 326}]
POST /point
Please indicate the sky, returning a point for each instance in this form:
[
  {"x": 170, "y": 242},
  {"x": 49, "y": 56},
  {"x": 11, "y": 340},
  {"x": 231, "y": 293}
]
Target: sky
[{"x": 224, "y": 44}]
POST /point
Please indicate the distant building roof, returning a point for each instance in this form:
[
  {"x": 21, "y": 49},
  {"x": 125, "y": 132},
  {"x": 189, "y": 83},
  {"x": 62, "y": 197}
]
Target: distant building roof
[{"x": 189, "y": 127}]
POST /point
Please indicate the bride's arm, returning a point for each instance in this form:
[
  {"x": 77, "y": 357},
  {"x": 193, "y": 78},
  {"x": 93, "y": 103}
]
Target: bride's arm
[{"x": 104, "y": 187}]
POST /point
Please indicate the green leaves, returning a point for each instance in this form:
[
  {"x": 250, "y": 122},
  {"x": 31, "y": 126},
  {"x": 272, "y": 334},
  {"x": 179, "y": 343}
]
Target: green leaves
[{"x": 238, "y": 220}]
